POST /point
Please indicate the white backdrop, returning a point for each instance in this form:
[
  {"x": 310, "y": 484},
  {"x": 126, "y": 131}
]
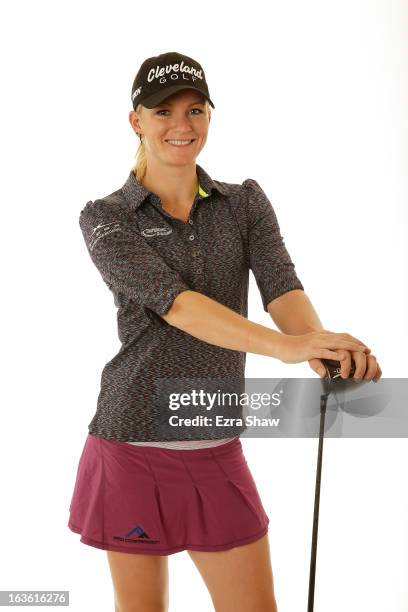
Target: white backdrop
[{"x": 311, "y": 100}]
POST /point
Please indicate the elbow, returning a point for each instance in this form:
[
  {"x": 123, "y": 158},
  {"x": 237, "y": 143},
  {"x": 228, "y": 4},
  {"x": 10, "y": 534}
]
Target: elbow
[{"x": 175, "y": 315}]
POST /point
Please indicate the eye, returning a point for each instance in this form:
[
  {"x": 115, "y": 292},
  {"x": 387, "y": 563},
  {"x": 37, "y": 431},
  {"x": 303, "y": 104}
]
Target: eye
[{"x": 166, "y": 111}]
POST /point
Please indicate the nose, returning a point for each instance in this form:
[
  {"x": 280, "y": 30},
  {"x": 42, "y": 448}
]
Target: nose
[{"x": 182, "y": 126}]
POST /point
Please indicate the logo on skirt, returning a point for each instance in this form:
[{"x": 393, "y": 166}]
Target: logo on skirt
[{"x": 139, "y": 536}]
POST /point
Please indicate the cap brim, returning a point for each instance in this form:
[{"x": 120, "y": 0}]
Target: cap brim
[{"x": 157, "y": 98}]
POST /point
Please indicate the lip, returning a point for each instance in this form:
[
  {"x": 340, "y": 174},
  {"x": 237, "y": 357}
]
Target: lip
[{"x": 181, "y": 146}]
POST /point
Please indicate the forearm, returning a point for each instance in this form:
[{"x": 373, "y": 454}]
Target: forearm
[
  {"x": 294, "y": 314},
  {"x": 208, "y": 320}
]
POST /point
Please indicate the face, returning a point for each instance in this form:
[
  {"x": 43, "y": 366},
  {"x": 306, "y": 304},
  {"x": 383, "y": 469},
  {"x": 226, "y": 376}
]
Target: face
[{"x": 181, "y": 116}]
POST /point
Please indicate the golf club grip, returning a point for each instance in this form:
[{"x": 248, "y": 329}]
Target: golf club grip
[{"x": 333, "y": 368}]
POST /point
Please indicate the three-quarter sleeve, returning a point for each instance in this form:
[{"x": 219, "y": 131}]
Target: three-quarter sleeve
[
  {"x": 269, "y": 259},
  {"x": 127, "y": 263}
]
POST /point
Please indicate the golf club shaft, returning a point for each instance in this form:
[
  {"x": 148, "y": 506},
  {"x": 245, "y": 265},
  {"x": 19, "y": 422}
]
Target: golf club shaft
[{"x": 312, "y": 574}]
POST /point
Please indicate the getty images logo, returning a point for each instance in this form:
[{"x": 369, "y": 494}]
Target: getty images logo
[{"x": 156, "y": 231}]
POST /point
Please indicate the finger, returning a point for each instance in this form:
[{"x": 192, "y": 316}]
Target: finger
[
  {"x": 353, "y": 338},
  {"x": 345, "y": 364},
  {"x": 318, "y": 367},
  {"x": 335, "y": 341},
  {"x": 328, "y": 354},
  {"x": 360, "y": 359},
  {"x": 371, "y": 367},
  {"x": 348, "y": 345},
  {"x": 378, "y": 374},
  {"x": 341, "y": 341}
]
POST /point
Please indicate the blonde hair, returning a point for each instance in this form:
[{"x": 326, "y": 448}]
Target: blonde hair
[{"x": 139, "y": 167}]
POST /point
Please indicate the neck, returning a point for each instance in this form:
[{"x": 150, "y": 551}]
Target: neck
[{"x": 175, "y": 184}]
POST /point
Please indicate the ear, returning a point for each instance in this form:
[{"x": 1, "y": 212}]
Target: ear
[{"x": 134, "y": 121}]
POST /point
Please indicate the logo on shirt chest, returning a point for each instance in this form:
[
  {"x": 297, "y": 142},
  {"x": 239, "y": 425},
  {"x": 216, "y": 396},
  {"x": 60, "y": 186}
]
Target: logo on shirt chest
[{"x": 156, "y": 231}]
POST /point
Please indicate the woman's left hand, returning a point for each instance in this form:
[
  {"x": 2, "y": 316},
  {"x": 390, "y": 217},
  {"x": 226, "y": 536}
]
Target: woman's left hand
[{"x": 367, "y": 367}]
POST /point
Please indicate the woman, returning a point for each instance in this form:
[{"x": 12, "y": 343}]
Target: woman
[{"x": 175, "y": 248}]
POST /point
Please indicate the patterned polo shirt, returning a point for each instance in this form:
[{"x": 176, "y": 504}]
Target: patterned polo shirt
[{"x": 147, "y": 257}]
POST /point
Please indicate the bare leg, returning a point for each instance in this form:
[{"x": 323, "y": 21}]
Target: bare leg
[
  {"x": 239, "y": 579},
  {"x": 141, "y": 582}
]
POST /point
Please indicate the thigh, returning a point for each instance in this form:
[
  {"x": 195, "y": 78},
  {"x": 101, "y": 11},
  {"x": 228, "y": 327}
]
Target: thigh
[
  {"x": 239, "y": 579},
  {"x": 141, "y": 582}
]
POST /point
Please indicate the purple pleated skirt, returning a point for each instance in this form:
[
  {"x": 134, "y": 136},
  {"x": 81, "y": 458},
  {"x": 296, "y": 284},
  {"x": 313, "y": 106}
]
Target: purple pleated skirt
[{"x": 152, "y": 500}]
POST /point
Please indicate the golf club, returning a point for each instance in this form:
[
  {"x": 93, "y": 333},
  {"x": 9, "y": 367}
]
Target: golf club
[{"x": 333, "y": 372}]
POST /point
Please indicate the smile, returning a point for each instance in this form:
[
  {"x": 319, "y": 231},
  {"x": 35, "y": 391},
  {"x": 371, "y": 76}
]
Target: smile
[{"x": 180, "y": 143}]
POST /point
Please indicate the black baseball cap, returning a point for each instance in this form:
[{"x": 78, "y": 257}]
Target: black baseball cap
[{"x": 162, "y": 75}]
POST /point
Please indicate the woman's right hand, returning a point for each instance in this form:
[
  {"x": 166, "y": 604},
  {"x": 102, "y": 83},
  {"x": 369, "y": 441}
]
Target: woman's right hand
[{"x": 322, "y": 344}]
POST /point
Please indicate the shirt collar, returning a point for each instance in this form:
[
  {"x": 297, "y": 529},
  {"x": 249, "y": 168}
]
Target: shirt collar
[{"x": 135, "y": 193}]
